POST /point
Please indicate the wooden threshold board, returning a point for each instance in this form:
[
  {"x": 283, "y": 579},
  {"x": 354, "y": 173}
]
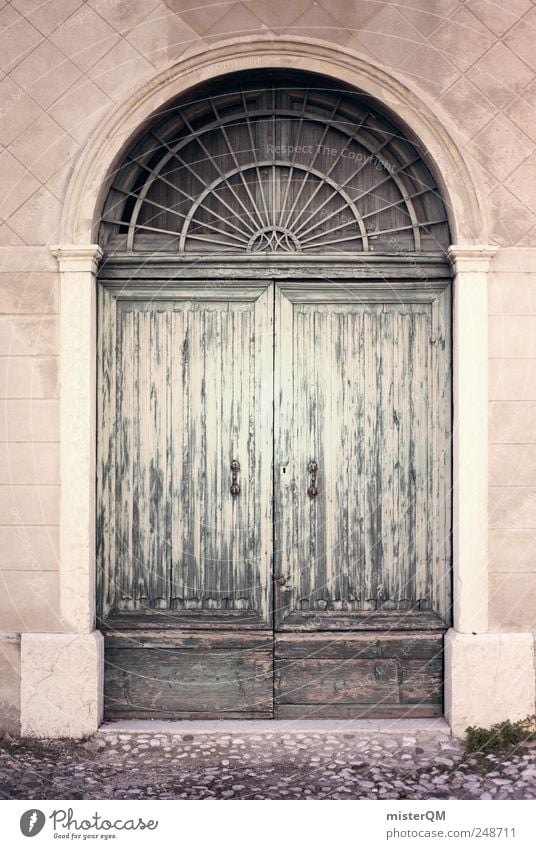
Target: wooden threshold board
[
  {"x": 358, "y": 675},
  {"x": 188, "y": 674},
  {"x": 192, "y": 674}
]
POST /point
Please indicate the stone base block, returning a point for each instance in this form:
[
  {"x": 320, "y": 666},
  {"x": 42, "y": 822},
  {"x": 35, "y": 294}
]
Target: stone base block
[
  {"x": 10, "y": 684},
  {"x": 488, "y": 678},
  {"x": 62, "y": 684}
]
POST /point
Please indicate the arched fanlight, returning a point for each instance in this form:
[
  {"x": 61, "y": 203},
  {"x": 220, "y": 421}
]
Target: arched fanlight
[{"x": 280, "y": 164}]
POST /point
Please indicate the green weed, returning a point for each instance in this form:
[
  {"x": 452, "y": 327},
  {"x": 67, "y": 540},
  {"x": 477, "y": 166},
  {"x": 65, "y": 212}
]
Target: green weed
[{"x": 503, "y": 735}]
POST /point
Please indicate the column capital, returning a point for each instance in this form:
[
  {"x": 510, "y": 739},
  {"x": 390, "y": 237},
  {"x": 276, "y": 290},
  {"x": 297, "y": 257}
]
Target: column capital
[
  {"x": 75, "y": 258},
  {"x": 471, "y": 258}
]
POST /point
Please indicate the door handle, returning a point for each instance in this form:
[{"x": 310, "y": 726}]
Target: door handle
[
  {"x": 235, "y": 486},
  {"x": 312, "y": 490}
]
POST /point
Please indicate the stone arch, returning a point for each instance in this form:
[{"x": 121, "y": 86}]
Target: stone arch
[{"x": 90, "y": 182}]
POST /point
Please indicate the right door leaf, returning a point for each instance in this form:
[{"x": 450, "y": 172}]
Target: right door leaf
[{"x": 363, "y": 387}]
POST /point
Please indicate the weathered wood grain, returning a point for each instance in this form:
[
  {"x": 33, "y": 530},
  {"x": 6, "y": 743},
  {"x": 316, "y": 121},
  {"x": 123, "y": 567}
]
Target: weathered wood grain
[
  {"x": 194, "y": 640},
  {"x": 106, "y": 538},
  {"x": 421, "y": 680},
  {"x": 357, "y": 711},
  {"x": 213, "y": 681},
  {"x": 156, "y": 274},
  {"x": 230, "y": 620},
  {"x": 381, "y": 620},
  {"x": 339, "y": 674},
  {"x": 363, "y": 389},
  {"x": 420, "y": 647},
  {"x": 331, "y": 680},
  {"x": 184, "y": 393}
]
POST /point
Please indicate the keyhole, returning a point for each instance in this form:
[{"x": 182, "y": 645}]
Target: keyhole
[{"x": 284, "y": 469}]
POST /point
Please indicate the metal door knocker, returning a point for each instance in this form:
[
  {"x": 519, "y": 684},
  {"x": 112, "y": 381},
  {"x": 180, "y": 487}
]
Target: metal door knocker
[
  {"x": 235, "y": 486},
  {"x": 312, "y": 491}
]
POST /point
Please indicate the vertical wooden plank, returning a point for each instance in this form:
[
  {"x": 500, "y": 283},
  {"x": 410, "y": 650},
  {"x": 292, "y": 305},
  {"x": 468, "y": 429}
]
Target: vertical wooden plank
[
  {"x": 106, "y": 450},
  {"x": 286, "y": 448},
  {"x": 301, "y": 403},
  {"x": 237, "y": 345},
  {"x": 180, "y": 454},
  {"x": 228, "y": 449},
  {"x": 441, "y": 446},
  {"x": 211, "y": 563},
  {"x": 404, "y": 438},
  {"x": 338, "y": 509},
  {"x": 127, "y": 381},
  {"x": 320, "y": 429},
  {"x": 398, "y": 369},
  {"x": 372, "y": 374},
  {"x": 220, "y": 533},
  {"x": 252, "y": 510},
  {"x": 421, "y": 439},
  {"x": 158, "y": 481},
  {"x": 359, "y": 523},
  {"x": 263, "y": 414},
  {"x": 196, "y": 439},
  {"x": 143, "y": 446},
  {"x": 444, "y": 579},
  {"x": 328, "y": 431},
  {"x": 438, "y": 427},
  {"x": 312, "y": 413},
  {"x": 387, "y": 449},
  {"x": 222, "y": 554}
]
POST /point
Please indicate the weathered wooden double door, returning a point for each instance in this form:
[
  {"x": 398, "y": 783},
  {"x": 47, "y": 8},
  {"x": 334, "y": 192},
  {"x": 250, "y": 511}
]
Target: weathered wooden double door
[{"x": 274, "y": 497}]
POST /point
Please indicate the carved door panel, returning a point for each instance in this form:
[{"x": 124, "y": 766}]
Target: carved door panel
[
  {"x": 362, "y": 507},
  {"x": 185, "y": 499}
]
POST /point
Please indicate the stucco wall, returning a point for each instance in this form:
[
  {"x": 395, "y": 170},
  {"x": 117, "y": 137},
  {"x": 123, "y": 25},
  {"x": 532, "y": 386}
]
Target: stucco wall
[
  {"x": 512, "y": 471},
  {"x": 29, "y": 472},
  {"x": 66, "y": 63}
]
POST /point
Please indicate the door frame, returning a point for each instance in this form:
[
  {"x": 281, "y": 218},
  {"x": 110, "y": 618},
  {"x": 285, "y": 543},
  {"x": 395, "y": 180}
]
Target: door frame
[
  {"x": 416, "y": 278},
  {"x": 128, "y": 278},
  {"x": 78, "y": 288},
  {"x": 78, "y": 276},
  {"x": 468, "y": 268}
]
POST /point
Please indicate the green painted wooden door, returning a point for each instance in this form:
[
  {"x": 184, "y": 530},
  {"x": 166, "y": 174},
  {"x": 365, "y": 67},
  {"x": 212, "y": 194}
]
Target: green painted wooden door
[
  {"x": 274, "y": 498},
  {"x": 362, "y": 498}
]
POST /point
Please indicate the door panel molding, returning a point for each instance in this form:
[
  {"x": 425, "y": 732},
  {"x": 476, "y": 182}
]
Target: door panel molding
[
  {"x": 361, "y": 291},
  {"x": 246, "y": 291},
  {"x": 377, "y": 538},
  {"x": 144, "y": 269},
  {"x": 357, "y": 676},
  {"x": 183, "y": 392}
]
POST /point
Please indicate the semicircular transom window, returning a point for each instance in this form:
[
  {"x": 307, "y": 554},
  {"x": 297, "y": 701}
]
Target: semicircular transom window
[{"x": 279, "y": 165}]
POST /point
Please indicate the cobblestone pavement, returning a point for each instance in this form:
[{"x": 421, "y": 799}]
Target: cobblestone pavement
[{"x": 341, "y": 765}]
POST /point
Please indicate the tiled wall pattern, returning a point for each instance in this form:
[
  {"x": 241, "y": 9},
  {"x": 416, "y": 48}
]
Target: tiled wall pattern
[
  {"x": 65, "y": 63},
  {"x": 512, "y": 473}
]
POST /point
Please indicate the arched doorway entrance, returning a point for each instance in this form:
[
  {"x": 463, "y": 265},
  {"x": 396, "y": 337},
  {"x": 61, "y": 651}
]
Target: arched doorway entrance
[{"x": 274, "y": 460}]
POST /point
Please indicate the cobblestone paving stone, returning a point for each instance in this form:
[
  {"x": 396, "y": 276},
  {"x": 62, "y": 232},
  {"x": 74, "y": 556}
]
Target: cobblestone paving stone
[{"x": 138, "y": 765}]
